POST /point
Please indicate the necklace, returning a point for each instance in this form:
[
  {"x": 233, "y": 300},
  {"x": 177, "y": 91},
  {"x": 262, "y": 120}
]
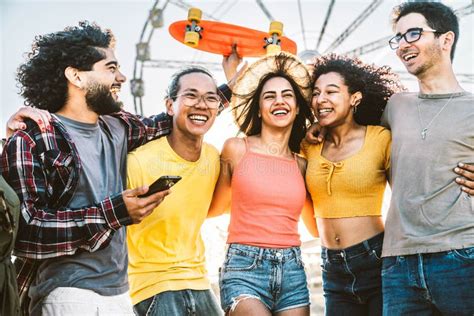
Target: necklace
[{"x": 425, "y": 129}]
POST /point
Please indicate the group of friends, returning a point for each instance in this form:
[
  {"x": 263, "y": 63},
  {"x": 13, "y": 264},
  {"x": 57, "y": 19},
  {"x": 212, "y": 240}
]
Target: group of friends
[{"x": 89, "y": 243}]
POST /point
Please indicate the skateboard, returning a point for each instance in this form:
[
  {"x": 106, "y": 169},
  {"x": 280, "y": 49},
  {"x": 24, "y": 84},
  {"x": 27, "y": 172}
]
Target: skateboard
[{"x": 218, "y": 37}]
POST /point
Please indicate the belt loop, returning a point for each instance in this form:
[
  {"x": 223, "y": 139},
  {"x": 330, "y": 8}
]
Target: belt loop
[
  {"x": 260, "y": 254},
  {"x": 295, "y": 253},
  {"x": 366, "y": 245}
]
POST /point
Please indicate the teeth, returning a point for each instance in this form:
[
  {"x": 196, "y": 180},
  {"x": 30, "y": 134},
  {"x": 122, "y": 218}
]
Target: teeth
[
  {"x": 280, "y": 112},
  {"x": 115, "y": 90},
  {"x": 409, "y": 56},
  {"x": 324, "y": 111},
  {"x": 196, "y": 117}
]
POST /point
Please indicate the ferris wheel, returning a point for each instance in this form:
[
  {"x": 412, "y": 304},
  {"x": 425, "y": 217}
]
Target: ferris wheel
[{"x": 311, "y": 42}]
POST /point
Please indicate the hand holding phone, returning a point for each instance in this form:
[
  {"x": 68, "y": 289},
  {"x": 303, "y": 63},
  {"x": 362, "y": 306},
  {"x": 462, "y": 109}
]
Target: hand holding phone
[{"x": 163, "y": 183}]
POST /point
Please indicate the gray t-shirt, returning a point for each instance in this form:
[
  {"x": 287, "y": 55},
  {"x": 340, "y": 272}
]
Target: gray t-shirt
[
  {"x": 428, "y": 211},
  {"x": 102, "y": 149}
]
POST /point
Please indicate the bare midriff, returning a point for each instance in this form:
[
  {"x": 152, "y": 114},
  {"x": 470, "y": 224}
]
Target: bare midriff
[{"x": 340, "y": 233}]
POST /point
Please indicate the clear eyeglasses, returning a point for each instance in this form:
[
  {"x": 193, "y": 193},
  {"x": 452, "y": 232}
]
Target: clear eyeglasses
[{"x": 212, "y": 101}]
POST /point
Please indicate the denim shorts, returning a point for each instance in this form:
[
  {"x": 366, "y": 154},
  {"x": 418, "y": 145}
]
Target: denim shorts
[
  {"x": 275, "y": 276},
  {"x": 352, "y": 282}
]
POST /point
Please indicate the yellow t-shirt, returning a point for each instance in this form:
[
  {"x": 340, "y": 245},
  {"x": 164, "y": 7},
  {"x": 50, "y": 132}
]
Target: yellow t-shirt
[
  {"x": 354, "y": 186},
  {"x": 166, "y": 251}
]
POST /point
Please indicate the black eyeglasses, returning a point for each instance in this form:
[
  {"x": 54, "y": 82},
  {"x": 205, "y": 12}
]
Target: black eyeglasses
[{"x": 410, "y": 36}]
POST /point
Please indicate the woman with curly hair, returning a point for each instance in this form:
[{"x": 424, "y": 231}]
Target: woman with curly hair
[
  {"x": 346, "y": 176},
  {"x": 262, "y": 180}
]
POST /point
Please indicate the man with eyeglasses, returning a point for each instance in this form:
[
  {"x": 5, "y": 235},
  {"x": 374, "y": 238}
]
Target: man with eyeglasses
[
  {"x": 428, "y": 250},
  {"x": 167, "y": 272}
]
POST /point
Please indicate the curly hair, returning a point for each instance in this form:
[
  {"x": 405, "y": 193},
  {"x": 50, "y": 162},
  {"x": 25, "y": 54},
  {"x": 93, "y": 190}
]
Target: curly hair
[
  {"x": 376, "y": 84},
  {"x": 438, "y": 16},
  {"x": 41, "y": 78}
]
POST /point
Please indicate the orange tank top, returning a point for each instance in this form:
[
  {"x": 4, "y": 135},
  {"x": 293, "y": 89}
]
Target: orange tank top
[{"x": 268, "y": 194}]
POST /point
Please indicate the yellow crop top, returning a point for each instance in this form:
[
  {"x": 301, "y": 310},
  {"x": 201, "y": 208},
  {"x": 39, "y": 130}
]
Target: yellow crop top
[{"x": 354, "y": 186}]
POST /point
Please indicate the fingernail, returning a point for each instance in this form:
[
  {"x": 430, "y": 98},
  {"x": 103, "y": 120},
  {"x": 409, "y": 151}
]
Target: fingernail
[
  {"x": 458, "y": 179},
  {"x": 461, "y": 164},
  {"x": 456, "y": 169}
]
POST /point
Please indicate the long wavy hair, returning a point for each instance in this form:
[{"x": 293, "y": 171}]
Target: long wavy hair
[{"x": 248, "y": 106}]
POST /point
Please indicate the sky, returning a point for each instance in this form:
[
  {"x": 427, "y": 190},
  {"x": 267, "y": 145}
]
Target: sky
[{"x": 22, "y": 20}]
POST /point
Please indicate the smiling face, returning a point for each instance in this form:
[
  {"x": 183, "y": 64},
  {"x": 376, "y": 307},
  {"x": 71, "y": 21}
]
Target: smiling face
[
  {"x": 193, "y": 120},
  {"x": 278, "y": 103},
  {"x": 423, "y": 54},
  {"x": 104, "y": 82},
  {"x": 331, "y": 102}
]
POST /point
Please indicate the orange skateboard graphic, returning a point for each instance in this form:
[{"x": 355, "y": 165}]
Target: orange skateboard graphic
[{"x": 218, "y": 38}]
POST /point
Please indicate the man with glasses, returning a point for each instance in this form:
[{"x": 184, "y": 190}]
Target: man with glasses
[
  {"x": 428, "y": 250},
  {"x": 167, "y": 272}
]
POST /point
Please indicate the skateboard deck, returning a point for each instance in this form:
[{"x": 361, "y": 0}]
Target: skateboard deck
[{"x": 219, "y": 37}]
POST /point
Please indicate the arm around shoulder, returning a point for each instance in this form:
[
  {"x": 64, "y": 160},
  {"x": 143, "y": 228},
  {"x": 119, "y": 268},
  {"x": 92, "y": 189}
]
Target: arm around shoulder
[
  {"x": 386, "y": 150},
  {"x": 46, "y": 228},
  {"x": 232, "y": 151},
  {"x": 141, "y": 130},
  {"x": 307, "y": 215}
]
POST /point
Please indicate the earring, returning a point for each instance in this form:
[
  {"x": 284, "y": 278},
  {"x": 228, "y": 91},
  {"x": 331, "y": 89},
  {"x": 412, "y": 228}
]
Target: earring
[
  {"x": 354, "y": 109},
  {"x": 259, "y": 115}
]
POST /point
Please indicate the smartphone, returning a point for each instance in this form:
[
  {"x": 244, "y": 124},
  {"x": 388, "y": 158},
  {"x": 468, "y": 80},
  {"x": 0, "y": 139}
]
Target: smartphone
[{"x": 163, "y": 183}]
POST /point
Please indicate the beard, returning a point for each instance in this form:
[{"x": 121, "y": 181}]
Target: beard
[
  {"x": 100, "y": 100},
  {"x": 432, "y": 56}
]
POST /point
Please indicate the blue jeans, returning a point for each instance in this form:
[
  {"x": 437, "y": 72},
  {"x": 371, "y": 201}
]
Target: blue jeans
[
  {"x": 180, "y": 303},
  {"x": 274, "y": 276},
  {"x": 351, "y": 278},
  {"x": 439, "y": 283}
]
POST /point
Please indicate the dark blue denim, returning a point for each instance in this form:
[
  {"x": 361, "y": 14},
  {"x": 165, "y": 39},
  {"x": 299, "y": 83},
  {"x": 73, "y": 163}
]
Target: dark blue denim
[
  {"x": 439, "y": 283},
  {"x": 180, "y": 303},
  {"x": 351, "y": 278},
  {"x": 275, "y": 276}
]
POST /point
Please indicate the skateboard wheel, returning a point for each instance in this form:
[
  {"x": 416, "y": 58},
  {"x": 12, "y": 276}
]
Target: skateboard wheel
[
  {"x": 194, "y": 14},
  {"x": 273, "y": 49},
  {"x": 276, "y": 28},
  {"x": 191, "y": 39}
]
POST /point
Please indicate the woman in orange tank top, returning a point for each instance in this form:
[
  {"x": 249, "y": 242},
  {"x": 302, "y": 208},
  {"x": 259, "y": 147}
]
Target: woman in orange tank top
[{"x": 262, "y": 181}]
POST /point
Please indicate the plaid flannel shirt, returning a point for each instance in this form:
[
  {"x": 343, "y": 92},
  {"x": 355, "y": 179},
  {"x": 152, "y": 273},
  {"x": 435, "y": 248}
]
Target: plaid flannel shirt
[{"x": 43, "y": 168}]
